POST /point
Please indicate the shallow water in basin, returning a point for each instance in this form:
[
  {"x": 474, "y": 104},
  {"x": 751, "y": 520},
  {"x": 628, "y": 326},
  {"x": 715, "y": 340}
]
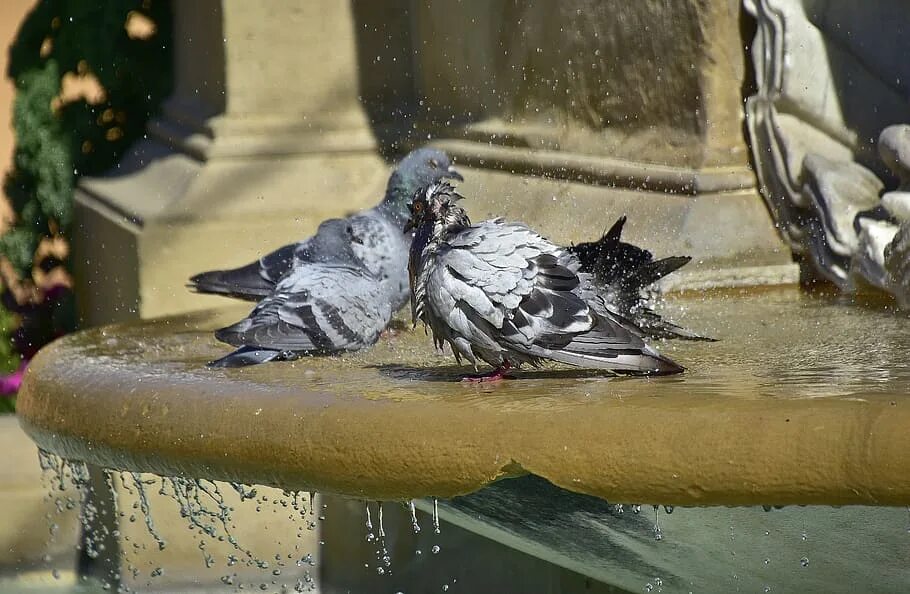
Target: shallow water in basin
[{"x": 775, "y": 343}]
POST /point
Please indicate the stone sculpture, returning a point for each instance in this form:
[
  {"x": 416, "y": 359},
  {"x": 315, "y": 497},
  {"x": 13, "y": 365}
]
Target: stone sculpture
[{"x": 828, "y": 84}]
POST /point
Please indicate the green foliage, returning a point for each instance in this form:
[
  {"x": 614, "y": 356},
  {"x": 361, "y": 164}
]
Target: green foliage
[{"x": 56, "y": 143}]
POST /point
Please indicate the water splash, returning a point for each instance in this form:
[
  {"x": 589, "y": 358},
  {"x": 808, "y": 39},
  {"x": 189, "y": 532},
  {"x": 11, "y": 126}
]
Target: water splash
[
  {"x": 139, "y": 483},
  {"x": 201, "y": 503}
]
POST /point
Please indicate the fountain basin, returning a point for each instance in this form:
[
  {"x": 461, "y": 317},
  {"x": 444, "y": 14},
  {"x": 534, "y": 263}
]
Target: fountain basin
[{"x": 803, "y": 401}]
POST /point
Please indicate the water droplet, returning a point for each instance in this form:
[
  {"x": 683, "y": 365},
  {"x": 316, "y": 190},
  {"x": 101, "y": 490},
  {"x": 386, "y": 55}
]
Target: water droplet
[
  {"x": 804, "y": 561},
  {"x": 435, "y": 549},
  {"x": 435, "y": 515}
]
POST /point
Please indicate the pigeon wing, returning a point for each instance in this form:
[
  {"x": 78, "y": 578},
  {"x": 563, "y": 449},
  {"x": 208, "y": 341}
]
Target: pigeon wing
[
  {"x": 318, "y": 308},
  {"x": 502, "y": 285}
]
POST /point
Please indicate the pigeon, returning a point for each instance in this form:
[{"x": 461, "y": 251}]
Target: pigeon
[
  {"x": 329, "y": 303},
  {"x": 624, "y": 272},
  {"x": 499, "y": 292},
  {"x": 382, "y": 248},
  {"x": 335, "y": 291}
]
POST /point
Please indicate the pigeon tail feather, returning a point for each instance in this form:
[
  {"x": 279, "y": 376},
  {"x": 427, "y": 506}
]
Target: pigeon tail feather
[
  {"x": 643, "y": 363},
  {"x": 241, "y": 283}
]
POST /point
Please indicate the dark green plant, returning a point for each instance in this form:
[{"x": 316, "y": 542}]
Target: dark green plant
[{"x": 57, "y": 142}]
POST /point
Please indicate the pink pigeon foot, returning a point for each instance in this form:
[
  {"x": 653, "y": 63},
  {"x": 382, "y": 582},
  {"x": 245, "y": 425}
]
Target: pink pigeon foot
[{"x": 496, "y": 375}]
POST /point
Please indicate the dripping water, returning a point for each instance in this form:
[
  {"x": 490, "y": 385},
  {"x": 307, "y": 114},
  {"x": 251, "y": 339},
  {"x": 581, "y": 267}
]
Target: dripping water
[
  {"x": 414, "y": 525},
  {"x": 658, "y": 535},
  {"x": 435, "y": 515}
]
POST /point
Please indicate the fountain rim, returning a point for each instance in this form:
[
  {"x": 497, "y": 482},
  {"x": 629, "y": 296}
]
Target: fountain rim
[{"x": 750, "y": 452}]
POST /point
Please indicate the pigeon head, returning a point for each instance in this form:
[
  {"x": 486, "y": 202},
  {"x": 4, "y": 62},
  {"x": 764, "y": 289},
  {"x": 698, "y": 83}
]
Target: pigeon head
[
  {"x": 334, "y": 242},
  {"x": 435, "y": 207},
  {"x": 417, "y": 170}
]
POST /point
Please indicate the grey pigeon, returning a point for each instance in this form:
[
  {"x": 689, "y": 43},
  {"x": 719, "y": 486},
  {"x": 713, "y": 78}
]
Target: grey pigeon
[
  {"x": 624, "y": 274},
  {"x": 382, "y": 248},
  {"x": 501, "y": 293},
  {"x": 328, "y": 304},
  {"x": 337, "y": 290}
]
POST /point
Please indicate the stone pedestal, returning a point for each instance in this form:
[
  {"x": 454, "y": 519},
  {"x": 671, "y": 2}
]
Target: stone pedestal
[{"x": 263, "y": 138}]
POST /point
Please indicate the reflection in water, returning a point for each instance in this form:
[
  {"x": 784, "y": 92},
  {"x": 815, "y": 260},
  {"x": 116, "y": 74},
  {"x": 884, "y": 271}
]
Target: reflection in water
[
  {"x": 717, "y": 549},
  {"x": 774, "y": 343}
]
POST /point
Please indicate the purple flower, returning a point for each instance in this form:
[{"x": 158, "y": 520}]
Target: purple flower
[{"x": 9, "y": 383}]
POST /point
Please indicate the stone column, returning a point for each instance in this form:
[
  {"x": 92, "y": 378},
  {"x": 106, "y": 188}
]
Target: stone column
[
  {"x": 580, "y": 111},
  {"x": 647, "y": 82},
  {"x": 263, "y": 138}
]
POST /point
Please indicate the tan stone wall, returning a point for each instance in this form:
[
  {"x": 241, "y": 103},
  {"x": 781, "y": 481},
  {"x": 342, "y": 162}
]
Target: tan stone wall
[{"x": 646, "y": 81}]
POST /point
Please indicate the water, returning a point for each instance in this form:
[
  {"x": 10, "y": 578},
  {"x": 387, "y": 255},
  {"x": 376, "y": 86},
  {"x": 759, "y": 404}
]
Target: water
[
  {"x": 209, "y": 509},
  {"x": 710, "y": 549}
]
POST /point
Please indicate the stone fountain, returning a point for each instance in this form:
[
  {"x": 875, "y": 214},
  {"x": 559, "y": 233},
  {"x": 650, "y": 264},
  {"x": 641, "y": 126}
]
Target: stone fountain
[
  {"x": 816, "y": 421},
  {"x": 563, "y": 479}
]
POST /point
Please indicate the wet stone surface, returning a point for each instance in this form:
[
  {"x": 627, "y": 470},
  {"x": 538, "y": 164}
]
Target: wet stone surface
[{"x": 801, "y": 401}]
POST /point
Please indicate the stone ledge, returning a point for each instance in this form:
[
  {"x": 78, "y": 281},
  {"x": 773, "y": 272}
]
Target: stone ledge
[
  {"x": 814, "y": 416},
  {"x": 600, "y": 170}
]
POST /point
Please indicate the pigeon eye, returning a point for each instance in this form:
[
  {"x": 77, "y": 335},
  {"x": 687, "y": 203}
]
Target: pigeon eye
[{"x": 417, "y": 207}]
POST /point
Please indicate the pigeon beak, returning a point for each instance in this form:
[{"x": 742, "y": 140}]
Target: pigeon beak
[
  {"x": 452, "y": 173},
  {"x": 409, "y": 226}
]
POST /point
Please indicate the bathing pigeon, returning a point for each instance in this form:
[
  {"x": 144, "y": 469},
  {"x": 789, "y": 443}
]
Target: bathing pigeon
[
  {"x": 499, "y": 292},
  {"x": 327, "y": 303},
  {"x": 624, "y": 272},
  {"x": 382, "y": 248}
]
